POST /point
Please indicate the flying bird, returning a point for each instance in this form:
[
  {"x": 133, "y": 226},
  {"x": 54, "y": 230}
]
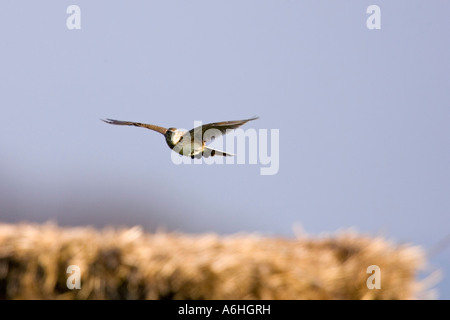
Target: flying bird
[{"x": 190, "y": 143}]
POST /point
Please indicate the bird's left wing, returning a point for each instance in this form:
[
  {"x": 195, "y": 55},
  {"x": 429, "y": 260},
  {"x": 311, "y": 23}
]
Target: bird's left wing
[{"x": 136, "y": 124}]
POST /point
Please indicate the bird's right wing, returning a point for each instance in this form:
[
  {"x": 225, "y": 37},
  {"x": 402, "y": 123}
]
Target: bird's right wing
[
  {"x": 136, "y": 124},
  {"x": 209, "y": 131}
]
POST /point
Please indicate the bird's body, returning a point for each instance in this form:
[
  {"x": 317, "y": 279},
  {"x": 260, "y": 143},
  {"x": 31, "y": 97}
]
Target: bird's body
[{"x": 190, "y": 143}]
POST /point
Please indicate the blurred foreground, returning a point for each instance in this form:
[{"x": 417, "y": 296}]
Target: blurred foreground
[{"x": 132, "y": 264}]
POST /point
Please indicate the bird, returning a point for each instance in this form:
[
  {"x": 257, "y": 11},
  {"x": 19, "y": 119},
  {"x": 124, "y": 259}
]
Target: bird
[{"x": 190, "y": 143}]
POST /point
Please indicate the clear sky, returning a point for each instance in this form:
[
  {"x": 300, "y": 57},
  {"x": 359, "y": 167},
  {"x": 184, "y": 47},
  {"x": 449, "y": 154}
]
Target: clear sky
[{"x": 363, "y": 116}]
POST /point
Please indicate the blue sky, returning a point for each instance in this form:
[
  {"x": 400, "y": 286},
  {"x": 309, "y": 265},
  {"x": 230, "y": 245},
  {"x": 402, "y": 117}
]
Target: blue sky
[{"x": 362, "y": 116}]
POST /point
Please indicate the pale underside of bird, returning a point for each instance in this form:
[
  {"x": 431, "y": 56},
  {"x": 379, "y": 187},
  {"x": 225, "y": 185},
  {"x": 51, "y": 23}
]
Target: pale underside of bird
[{"x": 190, "y": 143}]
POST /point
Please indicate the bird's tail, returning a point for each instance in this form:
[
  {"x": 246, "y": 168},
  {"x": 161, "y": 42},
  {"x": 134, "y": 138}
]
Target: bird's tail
[{"x": 214, "y": 152}]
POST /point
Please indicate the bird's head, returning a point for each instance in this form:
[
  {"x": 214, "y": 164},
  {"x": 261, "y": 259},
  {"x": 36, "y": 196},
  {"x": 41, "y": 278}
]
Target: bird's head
[{"x": 173, "y": 136}]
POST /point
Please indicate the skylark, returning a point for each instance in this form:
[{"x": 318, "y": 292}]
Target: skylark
[{"x": 191, "y": 143}]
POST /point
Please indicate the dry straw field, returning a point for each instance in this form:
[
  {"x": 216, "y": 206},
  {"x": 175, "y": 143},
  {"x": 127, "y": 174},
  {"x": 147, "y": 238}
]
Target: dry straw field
[{"x": 131, "y": 264}]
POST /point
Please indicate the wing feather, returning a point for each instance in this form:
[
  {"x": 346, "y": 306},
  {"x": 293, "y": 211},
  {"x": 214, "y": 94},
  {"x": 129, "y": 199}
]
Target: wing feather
[
  {"x": 136, "y": 124},
  {"x": 220, "y": 128}
]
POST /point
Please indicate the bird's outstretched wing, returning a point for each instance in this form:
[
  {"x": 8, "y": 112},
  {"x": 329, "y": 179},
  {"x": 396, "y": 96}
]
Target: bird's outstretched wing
[
  {"x": 136, "y": 124},
  {"x": 206, "y": 134}
]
